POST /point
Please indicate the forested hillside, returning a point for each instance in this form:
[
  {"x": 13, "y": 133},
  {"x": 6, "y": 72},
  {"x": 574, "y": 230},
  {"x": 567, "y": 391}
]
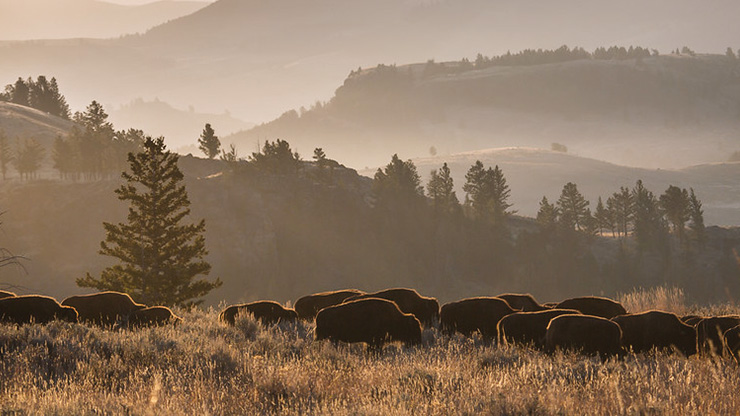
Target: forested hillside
[{"x": 621, "y": 105}]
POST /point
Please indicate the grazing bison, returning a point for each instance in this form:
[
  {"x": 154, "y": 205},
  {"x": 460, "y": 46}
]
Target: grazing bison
[
  {"x": 732, "y": 342},
  {"x": 655, "y": 329},
  {"x": 550, "y": 305},
  {"x": 522, "y": 302},
  {"x": 104, "y": 308},
  {"x": 4, "y": 294},
  {"x": 528, "y": 327},
  {"x": 373, "y": 321},
  {"x": 692, "y": 319},
  {"x": 308, "y": 306},
  {"x": 34, "y": 309},
  {"x": 710, "y": 332},
  {"x": 425, "y": 309},
  {"x": 584, "y": 333},
  {"x": 153, "y": 316},
  {"x": 266, "y": 311},
  {"x": 594, "y": 305},
  {"x": 474, "y": 315}
]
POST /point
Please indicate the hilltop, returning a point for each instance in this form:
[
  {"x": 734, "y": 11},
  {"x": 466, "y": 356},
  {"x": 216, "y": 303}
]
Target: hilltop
[
  {"x": 61, "y": 19},
  {"x": 667, "y": 111}
]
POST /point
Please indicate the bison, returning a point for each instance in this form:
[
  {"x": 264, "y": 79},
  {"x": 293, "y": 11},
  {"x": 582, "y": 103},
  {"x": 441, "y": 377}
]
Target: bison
[
  {"x": 266, "y": 311},
  {"x": 34, "y": 309},
  {"x": 153, "y": 316},
  {"x": 594, "y": 305},
  {"x": 528, "y": 327},
  {"x": 474, "y": 315},
  {"x": 103, "y": 308},
  {"x": 308, "y": 306},
  {"x": 5, "y": 294},
  {"x": 655, "y": 329},
  {"x": 710, "y": 332},
  {"x": 732, "y": 342},
  {"x": 584, "y": 333},
  {"x": 425, "y": 309},
  {"x": 692, "y": 319},
  {"x": 373, "y": 321},
  {"x": 523, "y": 302}
]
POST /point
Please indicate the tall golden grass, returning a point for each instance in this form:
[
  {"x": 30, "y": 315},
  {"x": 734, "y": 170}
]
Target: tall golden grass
[{"x": 205, "y": 367}]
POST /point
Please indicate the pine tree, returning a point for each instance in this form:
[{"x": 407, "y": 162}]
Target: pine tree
[
  {"x": 547, "y": 216},
  {"x": 440, "y": 190},
  {"x": 604, "y": 218},
  {"x": 63, "y": 157},
  {"x": 398, "y": 183},
  {"x": 648, "y": 223},
  {"x": 28, "y": 158},
  {"x": 487, "y": 193},
  {"x": 159, "y": 256},
  {"x": 276, "y": 157},
  {"x": 621, "y": 205},
  {"x": 696, "y": 216},
  {"x": 573, "y": 208},
  {"x": 209, "y": 143},
  {"x": 6, "y": 154},
  {"x": 675, "y": 206}
]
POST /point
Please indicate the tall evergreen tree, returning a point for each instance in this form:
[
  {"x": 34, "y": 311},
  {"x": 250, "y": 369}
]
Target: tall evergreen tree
[
  {"x": 441, "y": 191},
  {"x": 487, "y": 193},
  {"x": 574, "y": 213},
  {"x": 696, "y": 216},
  {"x": 6, "y": 154},
  {"x": 648, "y": 223},
  {"x": 547, "y": 216},
  {"x": 621, "y": 204},
  {"x": 604, "y": 218},
  {"x": 159, "y": 255},
  {"x": 209, "y": 143},
  {"x": 398, "y": 183},
  {"x": 276, "y": 157},
  {"x": 28, "y": 158},
  {"x": 675, "y": 206}
]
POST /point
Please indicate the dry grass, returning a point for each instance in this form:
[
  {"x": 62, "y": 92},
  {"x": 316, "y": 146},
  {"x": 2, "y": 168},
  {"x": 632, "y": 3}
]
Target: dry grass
[
  {"x": 204, "y": 367},
  {"x": 669, "y": 299}
]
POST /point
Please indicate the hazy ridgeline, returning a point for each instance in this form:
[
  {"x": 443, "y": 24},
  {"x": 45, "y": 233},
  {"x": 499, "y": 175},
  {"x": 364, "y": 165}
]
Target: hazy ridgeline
[{"x": 206, "y": 367}]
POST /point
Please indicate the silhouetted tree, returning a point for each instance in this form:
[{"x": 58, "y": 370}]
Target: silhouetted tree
[
  {"x": 573, "y": 208},
  {"x": 6, "y": 154},
  {"x": 621, "y": 205},
  {"x": 159, "y": 257},
  {"x": 487, "y": 193},
  {"x": 604, "y": 218},
  {"x": 28, "y": 158},
  {"x": 398, "y": 184},
  {"x": 648, "y": 222},
  {"x": 696, "y": 217},
  {"x": 209, "y": 143},
  {"x": 63, "y": 156},
  {"x": 440, "y": 190},
  {"x": 276, "y": 157},
  {"x": 547, "y": 215},
  {"x": 675, "y": 206}
]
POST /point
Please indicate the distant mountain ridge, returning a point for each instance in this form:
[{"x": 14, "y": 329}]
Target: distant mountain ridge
[{"x": 61, "y": 19}]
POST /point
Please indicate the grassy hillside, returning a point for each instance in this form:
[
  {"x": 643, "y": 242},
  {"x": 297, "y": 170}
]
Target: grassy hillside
[
  {"x": 659, "y": 112},
  {"x": 205, "y": 367}
]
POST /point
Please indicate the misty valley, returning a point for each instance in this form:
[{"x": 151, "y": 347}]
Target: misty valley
[{"x": 317, "y": 207}]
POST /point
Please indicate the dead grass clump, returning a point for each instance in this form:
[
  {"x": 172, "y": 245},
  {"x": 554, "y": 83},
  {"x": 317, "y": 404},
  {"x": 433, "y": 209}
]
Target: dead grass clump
[{"x": 669, "y": 299}]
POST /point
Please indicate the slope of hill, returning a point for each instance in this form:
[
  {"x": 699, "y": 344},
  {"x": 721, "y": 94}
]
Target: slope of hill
[
  {"x": 25, "y": 122},
  {"x": 181, "y": 128},
  {"x": 666, "y": 111},
  {"x": 60, "y": 19},
  {"x": 533, "y": 173},
  {"x": 257, "y": 58}
]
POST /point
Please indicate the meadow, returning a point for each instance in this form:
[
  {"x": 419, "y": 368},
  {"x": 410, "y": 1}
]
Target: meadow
[{"x": 205, "y": 367}]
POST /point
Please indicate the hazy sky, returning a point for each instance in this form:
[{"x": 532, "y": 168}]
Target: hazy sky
[{"x": 135, "y": 2}]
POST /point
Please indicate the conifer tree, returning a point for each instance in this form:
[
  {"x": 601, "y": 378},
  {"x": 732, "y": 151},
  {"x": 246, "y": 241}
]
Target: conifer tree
[
  {"x": 648, "y": 223},
  {"x": 621, "y": 205},
  {"x": 604, "y": 218},
  {"x": 440, "y": 190},
  {"x": 276, "y": 157},
  {"x": 487, "y": 193},
  {"x": 159, "y": 256},
  {"x": 28, "y": 157},
  {"x": 547, "y": 216},
  {"x": 209, "y": 143},
  {"x": 675, "y": 206},
  {"x": 696, "y": 216},
  {"x": 574, "y": 213},
  {"x": 398, "y": 183}
]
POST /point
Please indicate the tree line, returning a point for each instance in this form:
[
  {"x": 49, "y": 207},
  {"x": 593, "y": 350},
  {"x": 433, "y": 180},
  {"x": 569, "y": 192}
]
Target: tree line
[{"x": 41, "y": 94}]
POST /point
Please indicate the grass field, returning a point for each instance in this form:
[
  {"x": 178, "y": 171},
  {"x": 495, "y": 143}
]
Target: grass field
[{"x": 205, "y": 367}]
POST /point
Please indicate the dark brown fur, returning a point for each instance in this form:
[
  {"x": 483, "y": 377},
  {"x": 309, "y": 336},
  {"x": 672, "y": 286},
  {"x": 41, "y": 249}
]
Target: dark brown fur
[
  {"x": 692, "y": 319},
  {"x": 528, "y": 327},
  {"x": 425, "y": 309},
  {"x": 594, "y": 305},
  {"x": 732, "y": 343},
  {"x": 710, "y": 332},
  {"x": 644, "y": 331},
  {"x": 471, "y": 315},
  {"x": 522, "y": 302},
  {"x": 266, "y": 311},
  {"x": 308, "y": 306},
  {"x": 153, "y": 316},
  {"x": 5, "y": 294},
  {"x": 33, "y": 308},
  {"x": 587, "y": 334},
  {"x": 103, "y": 308},
  {"x": 373, "y": 321}
]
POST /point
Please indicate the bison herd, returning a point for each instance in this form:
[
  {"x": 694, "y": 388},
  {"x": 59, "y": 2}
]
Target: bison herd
[
  {"x": 591, "y": 325},
  {"x": 106, "y": 309}
]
